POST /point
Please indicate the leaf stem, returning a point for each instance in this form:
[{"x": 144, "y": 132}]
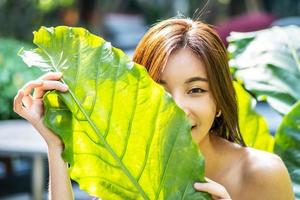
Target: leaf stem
[{"x": 128, "y": 174}]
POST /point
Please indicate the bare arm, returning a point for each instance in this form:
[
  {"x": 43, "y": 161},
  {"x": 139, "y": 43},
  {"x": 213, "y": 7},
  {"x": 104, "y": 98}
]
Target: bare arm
[
  {"x": 31, "y": 108},
  {"x": 59, "y": 181}
]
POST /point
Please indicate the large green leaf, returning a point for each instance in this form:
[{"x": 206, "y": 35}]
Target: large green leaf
[
  {"x": 253, "y": 126},
  {"x": 288, "y": 144},
  {"x": 124, "y": 136},
  {"x": 268, "y": 64}
]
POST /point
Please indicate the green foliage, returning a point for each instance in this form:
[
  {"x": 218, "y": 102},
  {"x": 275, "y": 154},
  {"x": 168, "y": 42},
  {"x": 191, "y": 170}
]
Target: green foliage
[
  {"x": 288, "y": 144},
  {"x": 13, "y": 75},
  {"x": 124, "y": 135},
  {"x": 267, "y": 63},
  {"x": 253, "y": 127}
]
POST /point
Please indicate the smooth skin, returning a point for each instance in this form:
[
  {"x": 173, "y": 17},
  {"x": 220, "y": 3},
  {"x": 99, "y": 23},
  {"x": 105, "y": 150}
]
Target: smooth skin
[{"x": 232, "y": 171}]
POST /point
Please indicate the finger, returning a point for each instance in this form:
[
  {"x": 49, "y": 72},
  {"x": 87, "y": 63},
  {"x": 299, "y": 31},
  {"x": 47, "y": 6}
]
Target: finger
[
  {"x": 27, "y": 101},
  {"x": 28, "y": 87},
  {"x": 38, "y": 93},
  {"x": 210, "y": 181},
  {"x": 18, "y": 107},
  {"x": 18, "y": 101},
  {"x": 49, "y": 85},
  {"x": 214, "y": 189},
  {"x": 51, "y": 76}
]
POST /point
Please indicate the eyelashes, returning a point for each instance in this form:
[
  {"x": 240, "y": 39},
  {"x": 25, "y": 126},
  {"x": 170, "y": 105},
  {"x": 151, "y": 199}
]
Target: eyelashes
[
  {"x": 193, "y": 91},
  {"x": 196, "y": 91}
]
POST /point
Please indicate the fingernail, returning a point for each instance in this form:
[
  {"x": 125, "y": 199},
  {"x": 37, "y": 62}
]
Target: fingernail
[
  {"x": 66, "y": 87},
  {"x": 197, "y": 185}
]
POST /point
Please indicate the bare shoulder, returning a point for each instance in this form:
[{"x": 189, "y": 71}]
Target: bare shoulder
[{"x": 265, "y": 176}]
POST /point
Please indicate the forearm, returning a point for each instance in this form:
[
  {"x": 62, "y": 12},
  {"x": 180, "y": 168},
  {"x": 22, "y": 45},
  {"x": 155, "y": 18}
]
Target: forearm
[
  {"x": 31, "y": 108},
  {"x": 59, "y": 181}
]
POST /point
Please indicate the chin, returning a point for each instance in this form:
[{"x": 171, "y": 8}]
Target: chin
[{"x": 196, "y": 135}]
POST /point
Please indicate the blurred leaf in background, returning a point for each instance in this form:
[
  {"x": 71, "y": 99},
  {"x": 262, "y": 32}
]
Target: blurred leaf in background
[
  {"x": 13, "y": 74},
  {"x": 253, "y": 126},
  {"x": 288, "y": 144},
  {"x": 267, "y": 63},
  {"x": 18, "y": 19}
]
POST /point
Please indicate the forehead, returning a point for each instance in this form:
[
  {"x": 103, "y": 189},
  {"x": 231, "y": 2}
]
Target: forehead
[{"x": 183, "y": 63}]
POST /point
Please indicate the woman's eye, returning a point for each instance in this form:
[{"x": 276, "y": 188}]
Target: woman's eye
[{"x": 196, "y": 90}]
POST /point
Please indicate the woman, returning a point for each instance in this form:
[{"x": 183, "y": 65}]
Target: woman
[{"x": 189, "y": 60}]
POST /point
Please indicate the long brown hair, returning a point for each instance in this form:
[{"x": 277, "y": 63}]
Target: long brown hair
[{"x": 172, "y": 34}]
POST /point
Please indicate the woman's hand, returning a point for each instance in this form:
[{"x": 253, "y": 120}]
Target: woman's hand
[
  {"x": 215, "y": 189},
  {"x": 31, "y": 107}
]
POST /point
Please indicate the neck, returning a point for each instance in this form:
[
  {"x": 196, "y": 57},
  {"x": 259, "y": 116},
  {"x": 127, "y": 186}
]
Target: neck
[{"x": 212, "y": 155}]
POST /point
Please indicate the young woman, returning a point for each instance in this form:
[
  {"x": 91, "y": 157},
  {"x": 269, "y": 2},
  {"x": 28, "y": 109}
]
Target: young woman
[{"x": 189, "y": 60}]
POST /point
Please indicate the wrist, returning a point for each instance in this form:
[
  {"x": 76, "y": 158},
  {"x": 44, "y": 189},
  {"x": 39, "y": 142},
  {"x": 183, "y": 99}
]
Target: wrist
[
  {"x": 37, "y": 123},
  {"x": 55, "y": 150},
  {"x": 59, "y": 148},
  {"x": 53, "y": 141}
]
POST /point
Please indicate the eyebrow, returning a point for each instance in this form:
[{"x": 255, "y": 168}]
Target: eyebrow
[
  {"x": 196, "y": 78},
  {"x": 190, "y": 80}
]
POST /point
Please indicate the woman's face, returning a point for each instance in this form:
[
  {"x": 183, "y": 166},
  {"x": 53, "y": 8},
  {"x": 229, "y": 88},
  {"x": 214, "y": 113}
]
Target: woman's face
[{"x": 185, "y": 78}]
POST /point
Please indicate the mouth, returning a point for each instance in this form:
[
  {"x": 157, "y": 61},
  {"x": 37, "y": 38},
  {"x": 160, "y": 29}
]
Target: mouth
[{"x": 193, "y": 126}]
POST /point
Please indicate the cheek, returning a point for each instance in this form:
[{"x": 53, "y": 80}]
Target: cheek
[
  {"x": 206, "y": 109},
  {"x": 205, "y": 115}
]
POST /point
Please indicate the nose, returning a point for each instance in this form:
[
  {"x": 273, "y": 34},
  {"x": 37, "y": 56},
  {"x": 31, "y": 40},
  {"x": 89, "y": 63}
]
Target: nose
[{"x": 180, "y": 102}]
